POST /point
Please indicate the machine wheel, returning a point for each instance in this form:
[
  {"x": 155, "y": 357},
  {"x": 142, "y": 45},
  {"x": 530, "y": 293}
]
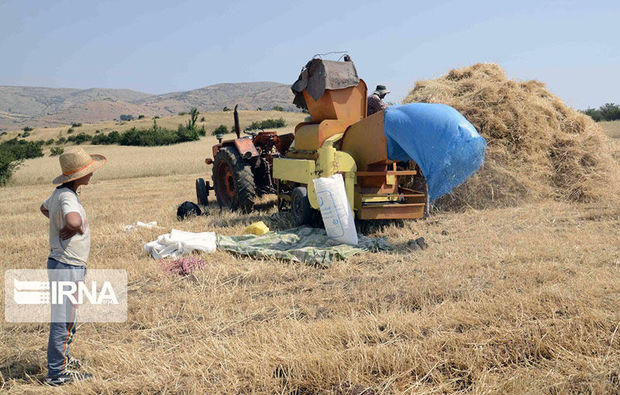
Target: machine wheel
[
  {"x": 233, "y": 181},
  {"x": 201, "y": 192},
  {"x": 300, "y": 207}
]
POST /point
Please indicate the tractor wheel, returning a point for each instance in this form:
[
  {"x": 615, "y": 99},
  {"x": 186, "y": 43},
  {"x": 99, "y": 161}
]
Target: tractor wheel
[
  {"x": 201, "y": 192},
  {"x": 233, "y": 181},
  {"x": 300, "y": 207}
]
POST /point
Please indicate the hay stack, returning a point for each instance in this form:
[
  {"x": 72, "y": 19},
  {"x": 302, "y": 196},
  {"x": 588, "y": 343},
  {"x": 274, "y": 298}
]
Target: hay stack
[{"x": 537, "y": 146}]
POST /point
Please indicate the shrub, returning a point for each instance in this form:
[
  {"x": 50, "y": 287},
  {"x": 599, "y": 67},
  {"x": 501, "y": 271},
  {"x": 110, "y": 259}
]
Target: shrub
[
  {"x": 76, "y": 125},
  {"x": 8, "y": 163},
  {"x": 202, "y": 119},
  {"x": 61, "y": 140},
  {"x": 153, "y": 136},
  {"x": 27, "y": 129},
  {"x": 55, "y": 151},
  {"x": 277, "y": 108},
  {"x": 79, "y": 138},
  {"x": 12, "y": 152},
  {"x": 126, "y": 117},
  {"x": 267, "y": 123},
  {"x": 25, "y": 134},
  {"x": 140, "y": 116},
  {"x": 220, "y": 130},
  {"x": 225, "y": 109},
  {"x": 70, "y": 130},
  {"x": 115, "y": 137},
  {"x": 182, "y": 113},
  {"x": 49, "y": 142}
]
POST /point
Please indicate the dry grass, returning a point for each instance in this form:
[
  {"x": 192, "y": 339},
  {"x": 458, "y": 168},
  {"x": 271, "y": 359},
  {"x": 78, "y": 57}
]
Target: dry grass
[
  {"x": 537, "y": 146},
  {"x": 612, "y": 129},
  {"x": 510, "y": 300},
  {"x": 212, "y": 121},
  {"x": 131, "y": 162}
]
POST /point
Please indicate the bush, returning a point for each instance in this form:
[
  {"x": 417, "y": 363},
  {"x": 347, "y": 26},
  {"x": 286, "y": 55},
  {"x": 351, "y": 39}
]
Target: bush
[
  {"x": 277, "y": 108},
  {"x": 150, "y": 137},
  {"x": 70, "y": 130},
  {"x": 76, "y": 125},
  {"x": 79, "y": 138},
  {"x": 225, "y": 109},
  {"x": 202, "y": 119},
  {"x": 267, "y": 123},
  {"x": 55, "y": 151},
  {"x": 126, "y": 117},
  {"x": 8, "y": 163},
  {"x": 140, "y": 116},
  {"x": 25, "y": 134},
  {"x": 12, "y": 152},
  {"x": 182, "y": 113},
  {"x": 49, "y": 142},
  {"x": 27, "y": 129},
  {"x": 220, "y": 130},
  {"x": 61, "y": 140}
]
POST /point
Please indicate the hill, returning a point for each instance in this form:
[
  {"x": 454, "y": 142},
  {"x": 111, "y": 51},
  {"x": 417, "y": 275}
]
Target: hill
[
  {"x": 36, "y": 106},
  {"x": 28, "y": 101},
  {"x": 249, "y": 96}
]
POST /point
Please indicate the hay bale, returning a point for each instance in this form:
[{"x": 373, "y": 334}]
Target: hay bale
[{"x": 537, "y": 147}]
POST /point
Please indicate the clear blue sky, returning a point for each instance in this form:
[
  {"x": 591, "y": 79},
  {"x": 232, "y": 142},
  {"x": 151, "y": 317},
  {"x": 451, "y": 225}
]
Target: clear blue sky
[{"x": 163, "y": 46}]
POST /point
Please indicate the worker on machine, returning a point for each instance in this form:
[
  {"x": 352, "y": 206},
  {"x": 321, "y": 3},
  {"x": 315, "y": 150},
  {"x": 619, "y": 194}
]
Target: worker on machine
[{"x": 375, "y": 101}]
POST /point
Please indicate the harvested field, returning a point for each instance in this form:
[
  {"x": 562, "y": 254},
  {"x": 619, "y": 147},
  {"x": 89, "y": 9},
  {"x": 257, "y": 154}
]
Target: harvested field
[
  {"x": 537, "y": 146},
  {"x": 506, "y": 300}
]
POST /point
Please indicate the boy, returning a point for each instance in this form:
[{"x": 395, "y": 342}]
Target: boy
[{"x": 69, "y": 238}]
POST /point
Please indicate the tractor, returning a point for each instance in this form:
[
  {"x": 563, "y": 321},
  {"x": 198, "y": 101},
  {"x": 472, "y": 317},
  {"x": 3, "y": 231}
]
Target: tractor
[
  {"x": 242, "y": 168},
  {"x": 339, "y": 138}
]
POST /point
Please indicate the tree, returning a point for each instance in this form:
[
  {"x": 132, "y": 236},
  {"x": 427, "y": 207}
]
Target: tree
[
  {"x": 193, "y": 117},
  {"x": 610, "y": 111}
]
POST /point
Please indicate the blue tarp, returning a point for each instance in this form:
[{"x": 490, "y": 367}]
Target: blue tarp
[{"x": 439, "y": 139}]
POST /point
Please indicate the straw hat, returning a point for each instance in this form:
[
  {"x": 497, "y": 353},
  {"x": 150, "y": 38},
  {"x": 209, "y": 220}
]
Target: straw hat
[{"x": 77, "y": 163}]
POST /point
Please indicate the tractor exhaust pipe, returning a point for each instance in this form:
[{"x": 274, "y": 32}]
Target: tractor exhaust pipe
[{"x": 237, "y": 128}]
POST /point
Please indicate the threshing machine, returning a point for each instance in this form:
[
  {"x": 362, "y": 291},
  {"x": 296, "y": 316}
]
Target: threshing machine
[{"x": 339, "y": 138}]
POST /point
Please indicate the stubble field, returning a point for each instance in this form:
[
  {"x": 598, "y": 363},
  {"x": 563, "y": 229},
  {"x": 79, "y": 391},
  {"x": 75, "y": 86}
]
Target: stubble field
[{"x": 508, "y": 300}]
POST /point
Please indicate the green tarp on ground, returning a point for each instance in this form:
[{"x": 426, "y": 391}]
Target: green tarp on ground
[{"x": 302, "y": 244}]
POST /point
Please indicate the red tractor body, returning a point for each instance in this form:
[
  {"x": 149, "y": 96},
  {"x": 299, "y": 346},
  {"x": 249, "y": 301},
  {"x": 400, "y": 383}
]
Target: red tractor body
[{"x": 242, "y": 168}]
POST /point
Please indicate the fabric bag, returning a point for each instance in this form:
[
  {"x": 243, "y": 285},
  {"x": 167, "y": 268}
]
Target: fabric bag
[{"x": 335, "y": 209}]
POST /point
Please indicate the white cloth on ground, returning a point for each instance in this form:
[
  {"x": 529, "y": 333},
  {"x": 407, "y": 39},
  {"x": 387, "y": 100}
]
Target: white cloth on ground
[
  {"x": 139, "y": 224},
  {"x": 178, "y": 242}
]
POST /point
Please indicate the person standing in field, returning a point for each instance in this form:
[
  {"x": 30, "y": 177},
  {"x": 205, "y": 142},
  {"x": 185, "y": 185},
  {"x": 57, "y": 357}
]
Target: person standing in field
[
  {"x": 375, "y": 101},
  {"x": 69, "y": 238}
]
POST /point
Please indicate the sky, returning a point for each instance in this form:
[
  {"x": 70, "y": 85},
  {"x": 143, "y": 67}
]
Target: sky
[{"x": 165, "y": 46}]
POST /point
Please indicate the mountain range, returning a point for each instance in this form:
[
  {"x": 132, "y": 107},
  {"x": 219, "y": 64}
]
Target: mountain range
[{"x": 34, "y": 106}]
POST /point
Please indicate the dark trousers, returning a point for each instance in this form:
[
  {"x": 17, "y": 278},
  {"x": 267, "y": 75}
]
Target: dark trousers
[{"x": 63, "y": 318}]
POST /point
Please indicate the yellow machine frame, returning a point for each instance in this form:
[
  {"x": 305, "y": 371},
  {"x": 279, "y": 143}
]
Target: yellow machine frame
[{"x": 342, "y": 139}]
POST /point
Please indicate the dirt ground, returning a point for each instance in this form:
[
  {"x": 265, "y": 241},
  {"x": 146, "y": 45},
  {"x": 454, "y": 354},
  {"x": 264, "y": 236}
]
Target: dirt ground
[{"x": 508, "y": 300}]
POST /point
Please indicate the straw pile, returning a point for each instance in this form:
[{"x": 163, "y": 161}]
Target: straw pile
[{"x": 537, "y": 146}]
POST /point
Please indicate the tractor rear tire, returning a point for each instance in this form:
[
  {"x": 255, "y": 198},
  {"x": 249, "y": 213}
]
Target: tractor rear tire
[
  {"x": 300, "y": 207},
  {"x": 233, "y": 181},
  {"x": 201, "y": 192}
]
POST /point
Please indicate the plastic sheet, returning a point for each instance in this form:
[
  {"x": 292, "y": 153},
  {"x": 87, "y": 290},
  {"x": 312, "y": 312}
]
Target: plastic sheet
[{"x": 439, "y": 139}]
